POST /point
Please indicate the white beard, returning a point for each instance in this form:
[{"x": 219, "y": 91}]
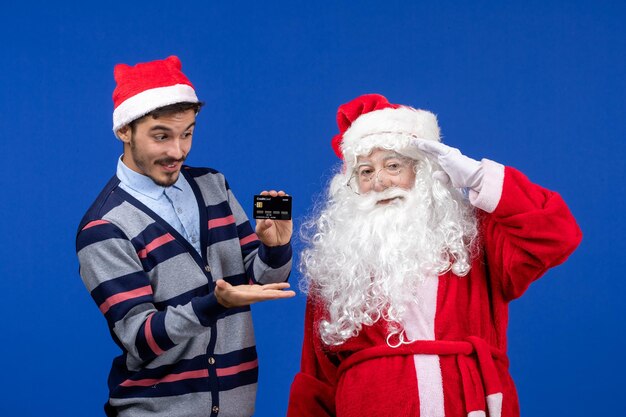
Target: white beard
[{"x": 365, "y": 261}]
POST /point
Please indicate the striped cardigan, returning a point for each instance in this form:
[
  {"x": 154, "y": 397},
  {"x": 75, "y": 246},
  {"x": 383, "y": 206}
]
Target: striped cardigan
[{"x": 183, "y": 354}]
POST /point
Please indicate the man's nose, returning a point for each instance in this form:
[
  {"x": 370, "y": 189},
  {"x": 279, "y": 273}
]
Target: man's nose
[{"x": 175, "y": 149}]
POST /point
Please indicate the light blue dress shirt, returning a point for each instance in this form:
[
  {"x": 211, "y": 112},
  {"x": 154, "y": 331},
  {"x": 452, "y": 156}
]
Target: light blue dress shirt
[{"x": 175, "y": 204}]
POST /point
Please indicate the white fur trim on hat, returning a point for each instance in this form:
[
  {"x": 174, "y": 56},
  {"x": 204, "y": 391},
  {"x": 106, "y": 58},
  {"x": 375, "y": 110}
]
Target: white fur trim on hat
[
  {"x": 143, "y": 103},
  {"x": 389, "y": 129}
]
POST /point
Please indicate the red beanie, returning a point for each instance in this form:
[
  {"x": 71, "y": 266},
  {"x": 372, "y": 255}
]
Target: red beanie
[{"x": 148, "y": 86}]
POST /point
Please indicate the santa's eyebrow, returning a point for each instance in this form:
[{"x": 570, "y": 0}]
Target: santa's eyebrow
[{"x": 387, "y": 156}]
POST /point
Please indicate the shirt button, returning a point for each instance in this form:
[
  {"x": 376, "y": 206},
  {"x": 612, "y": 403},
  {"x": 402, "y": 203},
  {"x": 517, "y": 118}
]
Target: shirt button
[
  {"x": 207, "y": 268},
  {"x": 215, "y": 409},
  {"x": 179, "y": 210},
  {"x": 211, "y": 361}
]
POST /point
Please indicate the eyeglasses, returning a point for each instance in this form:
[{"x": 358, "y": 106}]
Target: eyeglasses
[{"x": 365, "y": 174}]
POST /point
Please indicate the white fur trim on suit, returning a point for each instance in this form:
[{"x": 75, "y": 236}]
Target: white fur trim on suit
[
  {"x": 389, "y": 129},
  {"x": 420, "y": 325},
  {"x": 143, "y": 103},
  {"x": 491, "y": 187},
  {"x": 429, "y": 385},
  {"x": 494, "y": 404}
]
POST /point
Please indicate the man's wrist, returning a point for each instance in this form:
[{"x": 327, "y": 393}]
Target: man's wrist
[{"x": 275, "y": 256}]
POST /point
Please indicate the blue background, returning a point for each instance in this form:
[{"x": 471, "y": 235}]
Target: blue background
[{"x": 536, "y": 85}]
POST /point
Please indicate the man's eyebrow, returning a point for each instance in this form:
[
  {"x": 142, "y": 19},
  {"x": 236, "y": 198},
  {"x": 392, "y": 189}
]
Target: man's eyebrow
[
  {"x": 160, "y": 127},
  {"x": 168, "y": 129}
]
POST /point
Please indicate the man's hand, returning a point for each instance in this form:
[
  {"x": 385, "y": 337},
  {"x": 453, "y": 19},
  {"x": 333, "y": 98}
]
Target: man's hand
[
  {"x": 274, "y": 232},
  {"x": 460, "y": 169},
  {"x": 244, "y": 295}
]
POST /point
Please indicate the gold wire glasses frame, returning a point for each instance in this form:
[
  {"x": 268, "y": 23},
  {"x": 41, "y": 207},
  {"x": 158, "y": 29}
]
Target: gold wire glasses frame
[{"x": 366, "y": 174}]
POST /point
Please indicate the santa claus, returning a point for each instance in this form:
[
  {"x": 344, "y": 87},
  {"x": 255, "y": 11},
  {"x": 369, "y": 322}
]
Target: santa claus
[{"x": 410, "y": 267}]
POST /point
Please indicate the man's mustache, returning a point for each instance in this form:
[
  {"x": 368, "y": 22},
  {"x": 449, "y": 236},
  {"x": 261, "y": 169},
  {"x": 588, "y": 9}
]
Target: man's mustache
[{"x": 170, "y": 161}]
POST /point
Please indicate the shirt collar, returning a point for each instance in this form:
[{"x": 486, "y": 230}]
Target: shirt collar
[{"x": 143, "y": 184}]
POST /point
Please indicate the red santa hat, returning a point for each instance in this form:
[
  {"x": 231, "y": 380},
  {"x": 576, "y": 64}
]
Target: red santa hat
[
  {"x": 370, "y": 121},
  {"x": 148, "y": 86}
]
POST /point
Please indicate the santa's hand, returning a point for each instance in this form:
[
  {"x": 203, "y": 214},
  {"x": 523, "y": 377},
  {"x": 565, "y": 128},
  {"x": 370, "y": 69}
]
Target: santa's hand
[
  {"x": 274, "y": 232},
  {"x": 460, "y": 169},
  {"x": 243, "y": 295}
]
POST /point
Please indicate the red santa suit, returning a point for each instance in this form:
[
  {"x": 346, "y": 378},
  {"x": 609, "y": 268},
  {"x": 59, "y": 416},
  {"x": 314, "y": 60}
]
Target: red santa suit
[{"x": 457, "y": 365}]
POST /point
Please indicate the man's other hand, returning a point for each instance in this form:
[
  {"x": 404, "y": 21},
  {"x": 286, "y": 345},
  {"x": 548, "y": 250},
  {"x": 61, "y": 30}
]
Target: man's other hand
[{"x": 242, "y": 295}]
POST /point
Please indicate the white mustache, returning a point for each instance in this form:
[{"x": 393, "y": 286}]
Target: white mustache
[{"x": 370, "y": 200}]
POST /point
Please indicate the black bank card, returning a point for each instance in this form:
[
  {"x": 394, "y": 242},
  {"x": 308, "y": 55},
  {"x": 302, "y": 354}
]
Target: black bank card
[{"x": 275, "y": 208}]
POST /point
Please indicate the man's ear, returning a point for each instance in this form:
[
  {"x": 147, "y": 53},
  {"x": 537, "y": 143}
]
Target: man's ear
[{"x": 124, "y": 133}]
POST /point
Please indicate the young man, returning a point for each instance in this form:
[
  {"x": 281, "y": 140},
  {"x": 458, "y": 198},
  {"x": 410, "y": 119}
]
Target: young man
[
  {"x": 413, "y": 262},
  {"x": 172, "y": 262}
]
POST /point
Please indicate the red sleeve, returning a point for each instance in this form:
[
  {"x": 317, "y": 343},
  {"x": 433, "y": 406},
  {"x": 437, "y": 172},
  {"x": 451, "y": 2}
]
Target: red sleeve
[
  {"x": 530, "y": 231},
  {"x": 313, "y": 388}
]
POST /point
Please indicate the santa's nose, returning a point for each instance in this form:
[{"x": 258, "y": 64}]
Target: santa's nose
[{"x": 381, "y": 181}]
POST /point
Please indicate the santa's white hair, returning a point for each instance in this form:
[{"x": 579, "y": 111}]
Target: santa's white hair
[{"x": 364, "y": 261}]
